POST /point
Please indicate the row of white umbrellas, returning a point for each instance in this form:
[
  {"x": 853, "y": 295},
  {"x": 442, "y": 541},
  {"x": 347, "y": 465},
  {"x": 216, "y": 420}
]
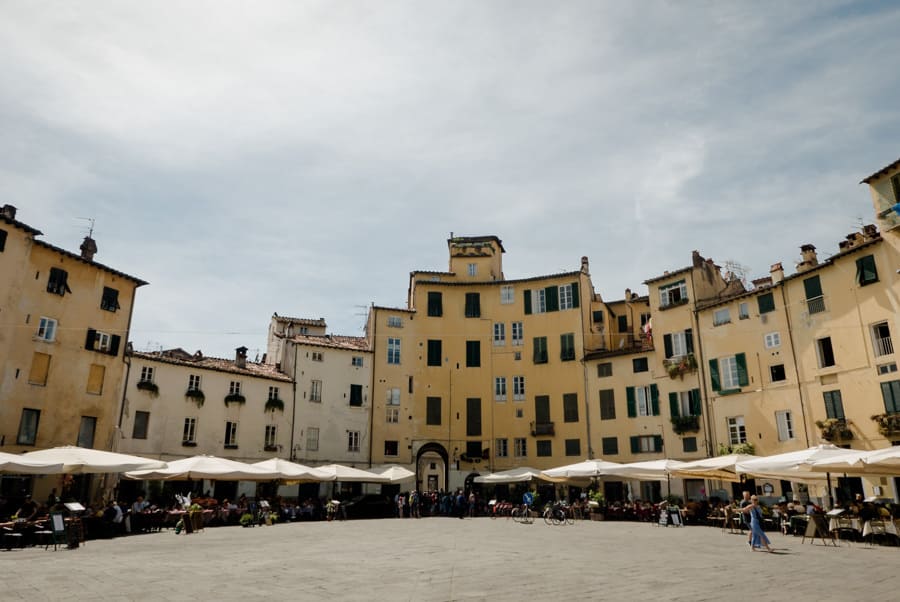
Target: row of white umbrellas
[{"x": 79, "y": 460}]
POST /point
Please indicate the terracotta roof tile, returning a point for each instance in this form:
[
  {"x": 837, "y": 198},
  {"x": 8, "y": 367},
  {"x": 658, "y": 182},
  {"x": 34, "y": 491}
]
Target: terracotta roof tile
[
  {"x": 178, "y": 357},
  {"x": 332, "y": 341}
]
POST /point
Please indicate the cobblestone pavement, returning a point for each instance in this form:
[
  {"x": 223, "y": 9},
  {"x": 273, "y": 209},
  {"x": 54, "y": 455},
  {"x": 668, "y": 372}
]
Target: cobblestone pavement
[{"x": 450, "y": 559}]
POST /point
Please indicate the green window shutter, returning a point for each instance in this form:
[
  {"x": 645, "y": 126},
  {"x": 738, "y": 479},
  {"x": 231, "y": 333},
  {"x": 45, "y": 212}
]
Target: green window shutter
[
  {"x": 657, "y": 443},
  {"x": 812, "y": 287},
  {"x": 654, "y": 400},
  {"x": 527, "y": 302},
  {"x": 866, "y": 273},
  {"x": 766, "y": 303},
  {"x": 689, "y": 340},
  {"x": 552, "y": 296},
  {"x": 89, "y": 340},
  {"x": 630, "y": 402},
  {"x": 574, "y": 294},
  {"x": 714, "y": 375},
  {"x": 635, "y": 444},
  {"x": 696, "y": 407},
  {"x": 673, "y": 404},
  {"x": 741, "y": 360},
  {"x": 667, "y": 345}
]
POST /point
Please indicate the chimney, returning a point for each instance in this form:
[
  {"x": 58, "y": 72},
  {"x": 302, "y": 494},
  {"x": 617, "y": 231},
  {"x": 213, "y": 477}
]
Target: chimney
[
  {"x": 870, "y": 231},
  {"x": 808, "y": 258},
  {"x": 88, "y": 248},
  {"x": 627, "y": 294},
  {"x": 240, "y": 357},
  {"x": 776, "y": 271},
  {"x": 761, "y": 282},
  {"x": 585, "y": 268},
  {"x": 8, "y": 211}
]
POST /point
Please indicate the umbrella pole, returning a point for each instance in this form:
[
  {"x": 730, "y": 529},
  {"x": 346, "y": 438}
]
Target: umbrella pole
[{"x": 830, "y": 494}]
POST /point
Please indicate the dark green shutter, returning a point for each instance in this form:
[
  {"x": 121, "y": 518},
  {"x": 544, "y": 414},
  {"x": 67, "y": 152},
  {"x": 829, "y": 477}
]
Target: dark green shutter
[
  {"x": 635, "y": 445},
  {"x": 114, "y": 341},
  {"x": 89, "y": 340},
  {"x": 866, "y": 272},
  {"x": 673, "y": 404},
  {"x": 654, "y": 400},
  {"x": 657, "y": 443},
  {"x": 741, "y": 360},
  {"x": 766, "y": 303},
  {"x": 696, "y": 407},
  {"x": 689, "y": 340},
  {"x": 667, "y": 345},
  {"x": 527, "y": 302},
  {"x": 574, "y": 294},
  {"x": 629, "y": 401},
  {"x": 813, "y": 287},
  {"x": 552, "y": 298},
  {"x": 714, "y": 375}
]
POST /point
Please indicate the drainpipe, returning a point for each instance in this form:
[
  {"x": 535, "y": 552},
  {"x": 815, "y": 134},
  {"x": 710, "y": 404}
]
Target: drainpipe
[
  {"x": 587, "y": 405},
  {"x": 127, "y": 361},
  {"x": 294, "y": 404},
  {"x": 371, "y": 425},
  {"x": 698, "y": 352},
  {"x": 787, "y": 315}
]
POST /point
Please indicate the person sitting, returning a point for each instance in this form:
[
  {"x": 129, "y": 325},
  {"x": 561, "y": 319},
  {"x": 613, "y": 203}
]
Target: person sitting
[{"x": 29, "y": 509}]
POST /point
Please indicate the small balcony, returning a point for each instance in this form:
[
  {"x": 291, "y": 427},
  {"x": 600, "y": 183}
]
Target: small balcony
[
  {"x": 685, "y": 424},
  {"x": 816, "y": 305},
  {"x": 542, "y": 428},
  {"x": 835, "y": 430},
  {"x": 883, "y": 346}
]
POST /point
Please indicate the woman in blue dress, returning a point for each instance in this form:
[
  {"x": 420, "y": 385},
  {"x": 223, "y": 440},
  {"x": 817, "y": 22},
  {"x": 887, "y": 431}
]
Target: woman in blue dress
[{"x": 758, "y": 537}]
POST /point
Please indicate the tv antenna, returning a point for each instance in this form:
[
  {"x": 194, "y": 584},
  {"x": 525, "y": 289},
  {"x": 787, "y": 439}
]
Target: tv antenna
[{"x": 91, "y": 227}]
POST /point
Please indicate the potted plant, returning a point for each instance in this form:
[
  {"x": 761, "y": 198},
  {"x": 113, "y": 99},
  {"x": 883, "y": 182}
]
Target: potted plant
[
  {"x": 685, "y": 424},
  {"x": 888, "y": 424},
  {"x": 835, "y": 429},
  {"x": 597, "y": 504},
  {"x": 273, "y": 404},
  {"x": 235, "y": 398},
  {"x": 149, "y": 386},
  {"x": 196, "y": 395}
]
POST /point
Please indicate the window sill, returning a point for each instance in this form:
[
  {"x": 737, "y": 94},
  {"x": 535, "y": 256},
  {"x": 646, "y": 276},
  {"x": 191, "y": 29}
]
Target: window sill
[
  {"x": 189, "y": 444},
  {"x": 729, "y": 392},
  {"x": 230, "y": 446}
]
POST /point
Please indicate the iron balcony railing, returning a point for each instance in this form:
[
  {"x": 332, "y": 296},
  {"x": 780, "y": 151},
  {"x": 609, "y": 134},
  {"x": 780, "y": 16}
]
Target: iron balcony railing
[
  {"x": 541, "y": 428},
  {"x": 816, "y": 305}
]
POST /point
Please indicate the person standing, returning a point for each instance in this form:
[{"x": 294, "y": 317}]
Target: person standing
[
  {"x": 758, "y": 537},
  {"x": 745, "y": 517}
]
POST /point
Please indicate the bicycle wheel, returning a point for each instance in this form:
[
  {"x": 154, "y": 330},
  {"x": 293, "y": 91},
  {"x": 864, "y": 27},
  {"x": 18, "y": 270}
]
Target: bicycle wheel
[
  {"x": 515, "y": 514},
  {"x": 570, "y": 516},
  {"x": 558, "y": 517},
  {"x": 548, "y": 516}
]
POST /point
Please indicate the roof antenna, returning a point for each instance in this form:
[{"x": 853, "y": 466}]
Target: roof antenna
[{"x": 91, "y": 229}]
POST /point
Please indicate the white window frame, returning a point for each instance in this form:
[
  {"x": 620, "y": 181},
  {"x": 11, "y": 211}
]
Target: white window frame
[
  {"x": 353, "y": 441},
  {"x": 772, "y": 340},
  {"x": 566, "y": 297},
  {"x": 102, "y": 341},
  {"x": 271, "y": 435},
  {"x": 743, "y": 311},
  {"x": 520, "y": 447},
  {"x": 47, "y": 329},
  {"x": 643, "y": 401},
  {"x": 189, "y": 432},
  {"x": 540, "y": 301},
  {"x": 722, "y": 316},
  {"x": 507, "y": 294},
  {"x": 472, "y": 269},
  {"x": 728, "y": 373},
  {"x": 231, "y": 429},
  {"x": 665, "y": 297},
  {"x": 518, "y": 388},
  {"x": 392, "y": 415},
  {"x": 517, "y": 333},
  {"x": 357, "y": 361},
  {"x": 395, "y": 322},
  {"x": 499, "y": 334},
  {"x": 312, "y": 438},
  {"x": 737, "y": 430},
  {"x": 501, "y": 448},
  {"x": 684, "y": 403},
  {"x": 784, "y": 420},
  {"x": 273, "y": 393},
  {"x": 392, "y": 396},
  {"x": 317, "y": 356},
  {"x": 315, "y": 391},
  {"x": 647, "y": 444},
  {"x": 194, "y": 382},
  {"x": 881, "y": 346},
  {"x": 393, "y": 351},
  {"x": 234, "y": 387},
  {"x": 679, "y": 344},
  {"x": 147, "y": 374},
  {"x": 500, "y": 388}
]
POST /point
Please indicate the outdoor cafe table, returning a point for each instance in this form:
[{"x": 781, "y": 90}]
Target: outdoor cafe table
[
  {"x": 890, "y": 527},
  {"x": 834, "y": 524}
]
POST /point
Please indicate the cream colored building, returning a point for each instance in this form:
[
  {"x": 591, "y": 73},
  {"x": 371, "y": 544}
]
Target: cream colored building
[{"x": 63, "y": 322}]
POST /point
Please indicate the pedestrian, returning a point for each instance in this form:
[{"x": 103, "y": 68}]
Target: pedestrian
[
  {"x": 758, "y": 537},
  {"x": 745, "y": 518}
]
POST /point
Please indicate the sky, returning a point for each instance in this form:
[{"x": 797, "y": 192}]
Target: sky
[{"x": 303, "y": 157}]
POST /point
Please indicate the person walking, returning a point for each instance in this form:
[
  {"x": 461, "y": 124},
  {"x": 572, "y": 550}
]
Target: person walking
[
  {"x": 745, "y": 518},
  {"x": 758, "y": 537}
]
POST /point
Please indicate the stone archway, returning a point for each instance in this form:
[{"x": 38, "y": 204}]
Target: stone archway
[{"x": 436, "y": 454}]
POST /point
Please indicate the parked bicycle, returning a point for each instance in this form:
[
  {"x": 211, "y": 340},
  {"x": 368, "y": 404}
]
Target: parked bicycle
[
  {"x": 558, "y": 513},
  {"x": 522, "y": 514}
]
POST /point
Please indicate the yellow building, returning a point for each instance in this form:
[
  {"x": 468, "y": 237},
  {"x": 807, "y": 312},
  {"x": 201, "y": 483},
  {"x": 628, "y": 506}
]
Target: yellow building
[{"x": 64, "y": 319}]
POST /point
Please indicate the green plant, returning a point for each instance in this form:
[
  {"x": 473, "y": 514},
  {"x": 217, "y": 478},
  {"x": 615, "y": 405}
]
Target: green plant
[
  {"x": 674, "y": 500},
  {"x": 196, "y": 395},
  {"x": 888, "y": 424},
  {"x": 246, "y": 520},
  {"x": 151, "y": 387},
  {"x": 235, "y": 398},
  {"x": 835, "y": 429},
  {"x": 274, "y": 404},
  {"x": 685, "y": 424},
  {"x": 740, "y": 448},
  {"x": 680, "y": 366}
]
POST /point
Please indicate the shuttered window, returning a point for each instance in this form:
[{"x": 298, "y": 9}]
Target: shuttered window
[
  {"x": 570, "y": 407},
  {"x": 40, "y": 368},
  {"x": 834, "y": 405},
  {"x": 473, "y": 305},
  {"x": 95, "y": 379},
  {"x": 540, "y": 350},
  {"x": 766, "y": 303},
  {"x": 473, "y": 354},
  {"x": 435, "y": 304},
  {"x": 434, "y": 352},
  {"x": 433, "y": 411},
  {"x": 890, "y": 391},
  {"x": 866, "y": 273},
  {"x": 473, "y": 417}
]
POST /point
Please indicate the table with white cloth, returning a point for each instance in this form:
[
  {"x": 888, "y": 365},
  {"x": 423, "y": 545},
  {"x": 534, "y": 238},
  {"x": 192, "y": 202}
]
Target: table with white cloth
[
  {"x": 890, "y": 527},
  {"x": 834, "y": 523}
]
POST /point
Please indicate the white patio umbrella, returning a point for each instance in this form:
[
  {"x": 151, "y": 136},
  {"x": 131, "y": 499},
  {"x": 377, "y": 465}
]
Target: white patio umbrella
[
  {"x": 292, "y": 470},
  {"x": 857, "y": 462},
  {"x": 82, "y": 460},
  {"x": 586, "y": 469},
  {"x": 20, "y": 465},
  {"x": 720, "y": 467},
  {"x": 394, "y": 473},
  {"x": 888, "y": 458},
  {"x": 791, "y": 465},
  {"x": 516, "y": 475},
  {"x": 348, "y": 474},
  {"x": 652, "y": 470},
  {"x": 206, "y": 467}
]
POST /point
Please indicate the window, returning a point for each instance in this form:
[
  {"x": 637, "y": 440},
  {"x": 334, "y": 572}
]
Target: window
[
  {"x": 729, "y": 374},
  {"x": 737, "y": 434},
  {"x": 518, "y": 388},
  {"x": 434, "y": 352},
  {"x": 607, "y": 404},
  {"x": 544, "y": 448},
  {"x": 110, "y": 299},
  {"x": 473, "y": 449},
  {"x": 391, "y": 448},
  {"x": 573, "y": 447},
  {"x": 517, "y": 333},
  {"x": 393, "y": 351},
  {"x": 317, "y": 356},
  {"x": 189, "y": 434},
  {"x": 193, "y": 382},
  {"x": 499, "y": 334},
  {"x": 766, "y": 303},
  {"x": 520, "y": 447},
  {"x": 541, "y": 302},
  {"x": 231, "y": 435},
  {"x": 646, "y": 444},
  {"x": 473, "y": 354},
  {"x": 435, "y": 304},
  {"x": 500, "y": 388},
  {"x": 604, "y": 369},
  {"x": 678, "y": 344},
  {"x": 865, "y": 270},
  {"x": 312, "y": 438},
  {"x": 3, "y": 235},
  {"x": 507, "y": 294},
  {"x": 597, "y": 317},
  {"x": 566, "y": 299},
  {"x": 777, "y": 373},
  {"x": 141, "y": 425},
  {"x": 28, "y": 427},
  {"x": 102, "y": 342},
  {"x": 570, "y": 407},
  {"x": 815, "y": 302},
  {"x": 40, "y": 368},
  {"x": 610, "y": 446},
  {"x": 270, "y": 437},
  {"x": 501, "y": 448},
  {"x": 721, "y": 316},
  {"x": 353, "y": 441},
  {"x": 433, "y": 411},
  {"x": 96, "y": 374},
  {"x": 895, "y": 185},
  {"x": 622, "y": 324},
  {"x": 58, "y": 282},
  {"x": 642, "y": 401},
  {"x": 689, "y": 444},
  {"x": 887, "y": 368},
  {"x": 234, "y": 387},
  {"x": 540, "y": 350},
  {"x": 472, "y": 269},
  {"x": 392, "y": 415},
  {"x": 567, "y": 347},
  {"x": 639, "y": 364},
  {"x": 772, "y": 340},
  {"x": 673, "y": 294},
  {"x": 147, "y": 374},
  {"x": 356, "y": 361},
  {"x": 785, "y": 423},
  {"x": 685, "y": 403},
  {"x": 47, "y": 329},
  {"x": 834, "y": 405},
  {"x": 356, "y": 396},
  {"x": 315, "y": 391},
  {"x": 881, "y": 339},
  {"x": 519, "y": 413},
  {"x": 825, "y": 352},
  {"x": 743, "y": 311},
  {"x": 890, "y": 391},
  {"x": 473, "y": 305},
  {"x": 395, "y": 322},
  {"x": 473, "y": 417},
  {"x": 393, "y": 396}
]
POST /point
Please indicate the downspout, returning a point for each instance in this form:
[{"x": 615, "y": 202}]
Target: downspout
[
  {"x": 587, "y": 404},
  {"x": 294, "y": 403},
  {"x": 711, "y": 444},
  {"x": 127, "y": 361},
  {"x": 787, "y": 315},
  {"x": 372, "y": 390}
]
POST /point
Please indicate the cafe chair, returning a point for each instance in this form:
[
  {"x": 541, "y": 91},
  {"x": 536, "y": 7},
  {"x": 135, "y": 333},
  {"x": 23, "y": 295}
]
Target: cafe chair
[
  {"x": 845, "y": 530},
  {"x": 877, "y": 530},
  {"x": 55, "y": 535}
]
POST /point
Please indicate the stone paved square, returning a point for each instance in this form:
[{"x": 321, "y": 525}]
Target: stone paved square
[{"x": 450, "y": 559}]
